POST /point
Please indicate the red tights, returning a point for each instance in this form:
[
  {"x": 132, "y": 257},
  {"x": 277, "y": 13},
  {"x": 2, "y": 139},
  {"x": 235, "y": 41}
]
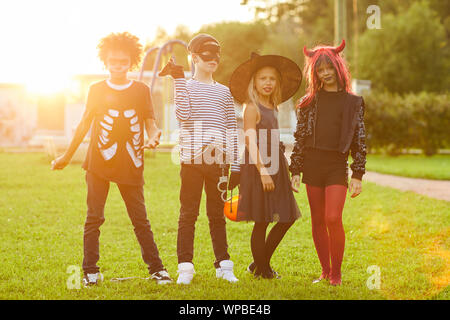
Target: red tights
[{"x": 327, "y": 230}]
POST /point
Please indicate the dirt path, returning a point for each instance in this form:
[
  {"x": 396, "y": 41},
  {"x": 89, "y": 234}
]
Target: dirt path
[{"x": 437, "y": 189}]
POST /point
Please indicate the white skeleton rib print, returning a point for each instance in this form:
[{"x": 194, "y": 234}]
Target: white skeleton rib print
[{"x": 109, "y": 143}]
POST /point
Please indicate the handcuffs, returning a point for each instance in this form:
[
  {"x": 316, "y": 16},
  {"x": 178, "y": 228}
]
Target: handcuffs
[
  {"x": 222, "y": 184},
  {"x": 223, "y": 180}
]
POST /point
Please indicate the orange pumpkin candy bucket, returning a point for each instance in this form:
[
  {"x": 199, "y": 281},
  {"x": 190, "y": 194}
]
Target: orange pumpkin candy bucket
[{"x": 230, "y": 207}]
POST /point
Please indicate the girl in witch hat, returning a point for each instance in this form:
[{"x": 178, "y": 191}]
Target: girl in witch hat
[
  {"x": 330, "y": 125},
  {"x": 261, "y": 84}
]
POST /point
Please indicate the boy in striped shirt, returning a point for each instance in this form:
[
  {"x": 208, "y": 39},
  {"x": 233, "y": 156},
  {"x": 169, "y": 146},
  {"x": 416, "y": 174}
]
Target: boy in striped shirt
[{"x": 208, "y": 145}]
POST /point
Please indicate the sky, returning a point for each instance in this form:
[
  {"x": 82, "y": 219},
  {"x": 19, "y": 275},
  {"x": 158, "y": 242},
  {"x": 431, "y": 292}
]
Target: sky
[{"x": 45, "y": 40}]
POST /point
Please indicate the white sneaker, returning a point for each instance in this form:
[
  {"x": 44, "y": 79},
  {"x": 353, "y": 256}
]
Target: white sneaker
[
  {"x": 225, "y": 271},
  {"x": 185, "y": 273},
  {"x": 92, "y": 279}
]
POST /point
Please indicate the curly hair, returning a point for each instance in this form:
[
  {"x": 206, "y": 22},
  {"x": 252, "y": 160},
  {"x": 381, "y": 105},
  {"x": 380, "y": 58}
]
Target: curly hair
[{"x": 123, "y": 41}]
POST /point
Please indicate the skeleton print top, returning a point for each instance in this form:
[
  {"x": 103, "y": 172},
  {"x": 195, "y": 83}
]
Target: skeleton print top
[{"x": 117, "y": 132}]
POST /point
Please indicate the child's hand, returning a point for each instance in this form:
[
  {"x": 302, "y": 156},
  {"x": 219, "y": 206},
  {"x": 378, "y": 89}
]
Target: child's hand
[
  {"x": 153, "y": 142},
  {"x": 355, "y": 187},
  {"x": 267, "y": 182},
  {"x": 295, "y": 183},
  {"x": 235, "y": 178},
  {"x": 60, "y": 163},
  {"x": 176, "y": 71}
]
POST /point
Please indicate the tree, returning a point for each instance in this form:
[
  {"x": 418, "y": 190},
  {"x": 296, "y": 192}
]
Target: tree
[
  {"x": 430, "y": 34},
  {"x": 407, "y": 54},
  {"x": 315, "y": 19}
]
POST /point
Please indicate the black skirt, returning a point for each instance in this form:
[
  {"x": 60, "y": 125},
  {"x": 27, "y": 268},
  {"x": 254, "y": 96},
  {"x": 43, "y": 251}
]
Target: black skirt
[{"x": 257, "y": 205}]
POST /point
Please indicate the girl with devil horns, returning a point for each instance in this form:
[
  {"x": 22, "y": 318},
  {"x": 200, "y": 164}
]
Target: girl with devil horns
[{"x": 330, "y": 125}]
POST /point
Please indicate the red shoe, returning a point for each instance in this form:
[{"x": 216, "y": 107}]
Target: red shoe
[{"x": 336, "y": 281}]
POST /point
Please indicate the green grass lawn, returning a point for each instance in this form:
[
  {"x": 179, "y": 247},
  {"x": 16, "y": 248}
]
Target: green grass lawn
[
  {"x": 416, "y": 166},
  {"x": 42, "y": 214}
]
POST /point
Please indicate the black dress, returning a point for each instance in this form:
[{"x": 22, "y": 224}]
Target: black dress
[{"x": 254, "y": 203}]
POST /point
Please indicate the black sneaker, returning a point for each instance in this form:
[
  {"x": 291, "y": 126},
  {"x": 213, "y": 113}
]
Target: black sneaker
[
  {"x": 252, "y": 267},
  {"x": 264, "y": 275},
  {"x": 161, "y": 277},
  {"x": 92, "y": 279},
  {"x": 275, "y": 274}
]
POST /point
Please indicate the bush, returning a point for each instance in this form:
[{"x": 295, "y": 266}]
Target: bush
[
  {"x": 395, "y": 122},
  {"x": 409, "y": 53}
]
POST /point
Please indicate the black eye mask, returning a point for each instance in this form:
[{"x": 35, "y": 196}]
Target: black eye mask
[{"x": 213, "y": 52}]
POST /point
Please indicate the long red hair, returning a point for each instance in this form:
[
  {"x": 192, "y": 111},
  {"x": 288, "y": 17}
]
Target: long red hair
[{"x": 313, "y": 58}]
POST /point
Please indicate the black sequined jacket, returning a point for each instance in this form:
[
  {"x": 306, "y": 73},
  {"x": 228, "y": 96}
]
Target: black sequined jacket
[{"x": 352, "y": 135}]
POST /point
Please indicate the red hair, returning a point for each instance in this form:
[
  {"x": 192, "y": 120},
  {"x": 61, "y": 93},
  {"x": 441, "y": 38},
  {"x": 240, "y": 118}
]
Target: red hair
[{"x": 313, "y": 58}]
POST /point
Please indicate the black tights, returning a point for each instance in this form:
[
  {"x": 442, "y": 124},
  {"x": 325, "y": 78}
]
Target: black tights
[{"x": 262, "y": 248}]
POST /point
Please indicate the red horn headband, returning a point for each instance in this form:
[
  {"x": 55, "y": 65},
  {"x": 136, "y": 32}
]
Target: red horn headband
[
  {"x": 308, "y": 53},
  {"x": 340, "y": 47},
  {"x": 337, "y": 50}
]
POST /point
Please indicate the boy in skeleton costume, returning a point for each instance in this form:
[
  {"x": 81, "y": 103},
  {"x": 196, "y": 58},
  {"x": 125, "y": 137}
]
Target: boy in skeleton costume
[{"x": 119, "y": 110}]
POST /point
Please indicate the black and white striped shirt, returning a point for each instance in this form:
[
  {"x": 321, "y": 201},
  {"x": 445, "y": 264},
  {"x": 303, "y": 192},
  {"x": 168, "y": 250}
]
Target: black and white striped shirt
[{"x": 206, "y": 117}]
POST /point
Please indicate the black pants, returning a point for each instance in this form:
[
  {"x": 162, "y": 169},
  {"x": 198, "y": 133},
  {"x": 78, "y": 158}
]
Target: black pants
[
  {"x": 133, "y": 196},
  {"x": 193, "y": 177}
]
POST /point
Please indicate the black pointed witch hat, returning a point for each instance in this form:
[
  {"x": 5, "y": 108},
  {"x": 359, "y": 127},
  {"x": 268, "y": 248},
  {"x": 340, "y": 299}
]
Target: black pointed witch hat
[{"x": 291, "y": 75}]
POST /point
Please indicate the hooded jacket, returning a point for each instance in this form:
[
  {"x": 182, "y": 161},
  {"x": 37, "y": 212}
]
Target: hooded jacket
[{"x": 352, "y": 136}]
